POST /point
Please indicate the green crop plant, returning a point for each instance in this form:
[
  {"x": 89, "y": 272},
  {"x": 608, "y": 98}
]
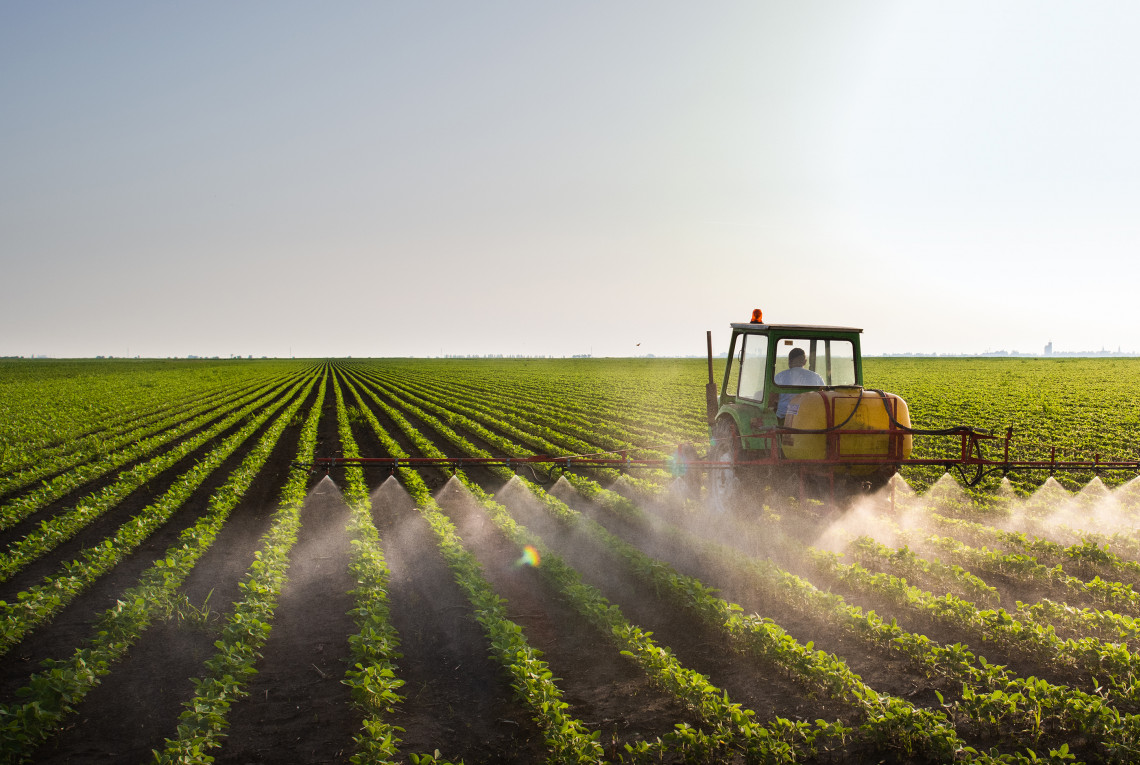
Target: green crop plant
[
  {"x": 568, "y": 738},
  {"x": 39, "y": 603},
  {"x": 52, "y": 694},
  {"x": 17, "y": 509},
  {"x": 52, "y": 532},
  {"x": 373, "y": 677},
  {"x": 203, "y": 720},
  {"x": 119, "y": 433}
]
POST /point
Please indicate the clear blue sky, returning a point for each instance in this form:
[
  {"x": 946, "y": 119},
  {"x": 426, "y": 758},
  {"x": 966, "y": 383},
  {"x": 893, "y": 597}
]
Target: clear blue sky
[{"x": 405, "y": 178}]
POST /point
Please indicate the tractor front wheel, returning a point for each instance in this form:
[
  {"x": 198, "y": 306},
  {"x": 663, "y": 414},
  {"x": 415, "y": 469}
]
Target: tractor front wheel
[{"x": 724, "y": 483}]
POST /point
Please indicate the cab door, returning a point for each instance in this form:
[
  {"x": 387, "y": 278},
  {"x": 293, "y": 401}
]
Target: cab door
[{"x": 746, "y": 384}]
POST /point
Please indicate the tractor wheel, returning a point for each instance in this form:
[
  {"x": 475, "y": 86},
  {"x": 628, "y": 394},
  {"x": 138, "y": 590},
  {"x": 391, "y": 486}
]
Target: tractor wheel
[{"x": 724, "y": 483}]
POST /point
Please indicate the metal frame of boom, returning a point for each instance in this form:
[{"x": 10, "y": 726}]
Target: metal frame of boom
[{"x": 970, "y": 462}]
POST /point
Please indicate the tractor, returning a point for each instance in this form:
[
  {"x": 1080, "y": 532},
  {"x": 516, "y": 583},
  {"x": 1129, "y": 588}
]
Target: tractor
[{"x": 792, "y": 410}]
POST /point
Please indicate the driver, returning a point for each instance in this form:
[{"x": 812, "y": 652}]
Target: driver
[{"x": 795, "y": 374}]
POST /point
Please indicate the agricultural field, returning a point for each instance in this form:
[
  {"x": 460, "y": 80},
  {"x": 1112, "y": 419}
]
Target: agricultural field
[{"x": 177, "y": 584}]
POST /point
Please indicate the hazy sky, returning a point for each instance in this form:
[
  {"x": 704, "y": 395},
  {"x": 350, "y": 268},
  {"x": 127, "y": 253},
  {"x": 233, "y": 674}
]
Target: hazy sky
[{"x": 399, "y": 178}]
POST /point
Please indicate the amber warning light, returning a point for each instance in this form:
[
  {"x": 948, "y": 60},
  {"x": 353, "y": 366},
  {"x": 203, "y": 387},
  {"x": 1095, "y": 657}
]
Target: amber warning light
[{"x": 757, "y": 316}]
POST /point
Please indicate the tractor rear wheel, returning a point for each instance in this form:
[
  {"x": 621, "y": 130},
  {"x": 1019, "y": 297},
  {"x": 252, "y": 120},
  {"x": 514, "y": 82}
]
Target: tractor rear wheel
[{"x": 724, "y": 483}]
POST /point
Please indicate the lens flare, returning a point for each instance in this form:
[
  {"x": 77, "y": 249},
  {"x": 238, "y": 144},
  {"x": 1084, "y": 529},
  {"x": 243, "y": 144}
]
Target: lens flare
[{"x": 530, "y": 557}]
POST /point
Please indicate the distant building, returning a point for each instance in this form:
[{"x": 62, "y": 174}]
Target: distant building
[{"x": 1049, "y": 348}]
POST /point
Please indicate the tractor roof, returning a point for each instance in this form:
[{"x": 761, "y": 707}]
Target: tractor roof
[{"x": 794, "y": 328}]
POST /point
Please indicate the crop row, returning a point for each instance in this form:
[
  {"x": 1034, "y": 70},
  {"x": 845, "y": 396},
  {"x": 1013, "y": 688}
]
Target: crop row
[
  {"x": 114, "y": 437},
  {"x": 52, "y": 694},
  {"x": 19, "y": 508},
  {"x": 1085, "y": 559},
  {"x": 41, "y": 602},
  {"x": 487, "y": 425},
  {"x": 660, "y": 402},
  {"x": 373, "y": 678},
  {"x": 49, "y": 409},
  {"x": 50, "y": 533},
  {"x": 567, "y": 737},
  {"x": 247, "y": 627},
  {"x": 587, "y": 430}
]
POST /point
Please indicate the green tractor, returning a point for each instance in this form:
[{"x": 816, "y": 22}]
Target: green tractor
[{"x": 792, "y": 413}]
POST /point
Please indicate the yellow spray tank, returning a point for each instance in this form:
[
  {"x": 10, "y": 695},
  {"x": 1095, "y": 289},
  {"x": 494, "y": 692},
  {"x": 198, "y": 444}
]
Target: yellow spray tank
[{"x": 840, "y": 411}]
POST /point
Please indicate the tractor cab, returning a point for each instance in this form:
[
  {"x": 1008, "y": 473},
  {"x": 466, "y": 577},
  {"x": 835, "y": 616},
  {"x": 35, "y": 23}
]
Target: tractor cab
[{"x": 769, "y": 364}]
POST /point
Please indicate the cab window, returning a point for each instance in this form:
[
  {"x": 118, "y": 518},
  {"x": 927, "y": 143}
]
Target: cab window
[
  {"x": 753, "y": 354},
  {"x": 831, "y": 361}
]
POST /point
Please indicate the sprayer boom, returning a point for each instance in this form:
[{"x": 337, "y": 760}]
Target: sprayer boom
[
  {"x": 970, "y": 462},
  {"x": 619, "y": 460}
]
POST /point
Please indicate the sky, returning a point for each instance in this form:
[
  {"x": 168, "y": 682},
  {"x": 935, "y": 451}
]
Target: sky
[{"x": 429, "y": 178}]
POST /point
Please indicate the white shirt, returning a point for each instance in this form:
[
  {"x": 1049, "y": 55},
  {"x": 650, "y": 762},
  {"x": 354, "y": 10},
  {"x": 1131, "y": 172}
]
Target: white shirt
[{"x": 794, "y": 376}]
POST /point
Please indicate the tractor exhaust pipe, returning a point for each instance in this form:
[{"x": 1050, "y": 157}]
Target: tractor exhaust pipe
[{"x": 711, "y": 403}]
